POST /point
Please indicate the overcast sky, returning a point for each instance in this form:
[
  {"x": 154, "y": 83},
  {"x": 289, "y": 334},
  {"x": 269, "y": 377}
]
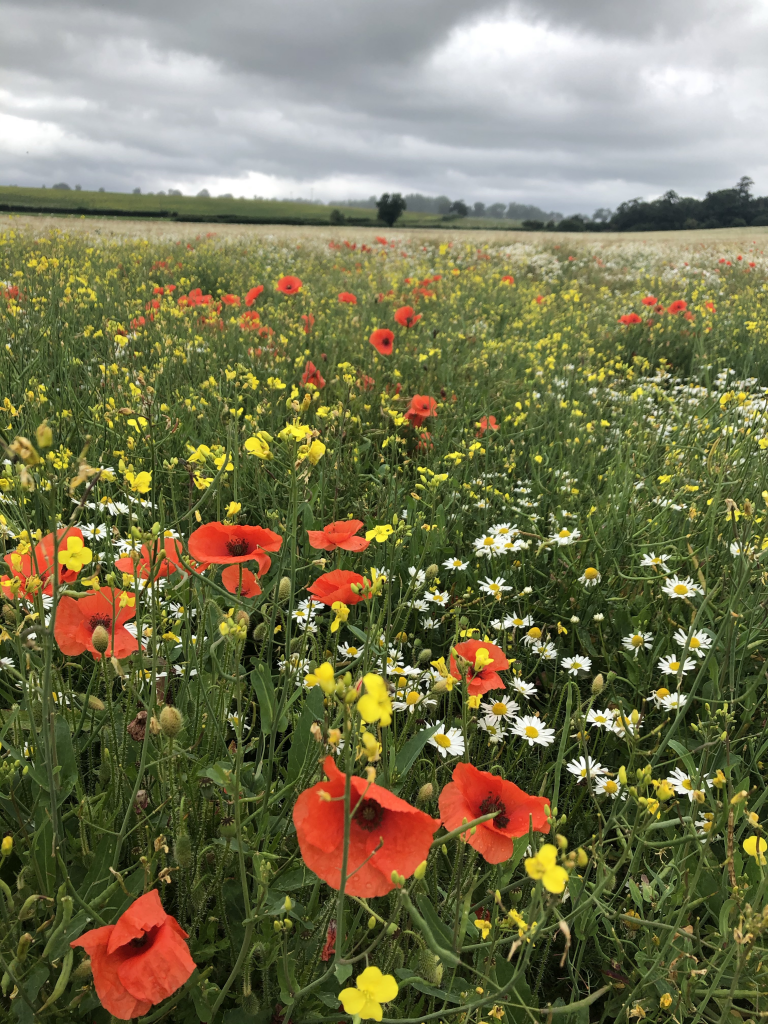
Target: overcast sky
[{"x": 569, "y": 104}]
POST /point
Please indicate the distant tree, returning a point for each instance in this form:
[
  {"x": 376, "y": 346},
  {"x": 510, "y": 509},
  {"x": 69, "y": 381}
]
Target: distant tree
[
  {"x": 78, "y": 188},
  {"x": 337, "y": 217},
  {"x": 390, "y": 206},
  {"x": 443, "y": 205},
  {"x": 478, "y": 210},
  {"x": 495, "y": 210},
  {"x": 459, "y": 207},
  {"x": 603, "y": 215},
  {"x": 744, "y": 187},
  {"x": 101, "y": 190},
  {"x": 225, "y": 195},
  {"x": 533, "y": 225},
  {"x": 174, "y": 192},
  {"x": 62, "y": 185},
  {"x": 203, "y": 194},
  {"x": 137, "y": 191}
]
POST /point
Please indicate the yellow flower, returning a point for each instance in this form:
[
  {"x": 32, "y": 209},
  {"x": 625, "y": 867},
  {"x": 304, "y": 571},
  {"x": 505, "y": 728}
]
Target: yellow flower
[
  {"x": 316, "y": 451},
  {"x": 544, "y": 867},
  {"x": 323, "y": 676},
  {"x": 76, "y": 554},
  {"x": 7, "y": 846},
  {"x": 482, "y": 658},
  {"x": 141, "y": 483},
  {"x": 756, "y": 848},
  {"x": 379, "y": 533},
  {"x": 342, "y": 614},
  {"x": 483, "y": 926},
  {"x": 294, "y": 432},
  {"x": 373, "y": 989},
  {"x": 375, "y": 705},
  {"x": 371, "y": 746},
  {"x": 233, "y": 508}
]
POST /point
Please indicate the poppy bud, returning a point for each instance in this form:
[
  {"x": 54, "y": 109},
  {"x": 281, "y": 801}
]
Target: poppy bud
[
  {"x": 182, "y": 851},
  {"x": 83, "y": 971},
  {"x": 24, "y": 943},
  {"x": 597, "y": 684},
  {"x": 9, "y": 614},
  {"x": 425, "y": 794},
  {"x": 432, "y": 572},
  {"x": 259, "y": 632},
  {"x": 242, "y": 618},
  {"x": 171, "y": 721},
  {"x": 284, "y": 589},
  {"x": 251, "y": 1004},
  {"x": 425, "y": 656},
  {"x": 100, "y": 638},
  {"x": 429, "y": 967},
  {"x": 95, "y": 704}
]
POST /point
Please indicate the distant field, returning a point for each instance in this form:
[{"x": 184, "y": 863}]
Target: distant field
[{"x": 212, "y": 210}]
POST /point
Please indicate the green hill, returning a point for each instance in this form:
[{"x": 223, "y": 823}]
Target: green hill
[{"x": 210, "y": 210}]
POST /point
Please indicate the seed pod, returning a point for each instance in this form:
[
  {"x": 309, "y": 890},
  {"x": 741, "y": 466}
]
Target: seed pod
[
  {"x": 430, "y": 967},
  {"x": 100, "y": 638},
  {"x": 171, "y": 721}
]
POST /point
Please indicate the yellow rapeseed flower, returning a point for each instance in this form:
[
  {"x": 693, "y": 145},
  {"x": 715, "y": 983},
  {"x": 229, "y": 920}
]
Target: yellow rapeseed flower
[
  {"x": 544, "y": 867},
  {"x": 75, "y": 555},
  {"x": 372, "y": 989},
  {"x": 375, "y": 705}
]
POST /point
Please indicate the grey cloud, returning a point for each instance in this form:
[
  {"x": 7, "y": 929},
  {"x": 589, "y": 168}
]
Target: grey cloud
[{"x": 568, "y": 105}]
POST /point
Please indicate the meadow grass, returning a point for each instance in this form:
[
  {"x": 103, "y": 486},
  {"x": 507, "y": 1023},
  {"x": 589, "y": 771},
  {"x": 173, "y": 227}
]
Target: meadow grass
[{"x": 584, "y": 499}]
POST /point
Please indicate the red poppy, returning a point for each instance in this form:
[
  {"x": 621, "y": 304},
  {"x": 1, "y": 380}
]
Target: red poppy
[
  {"x": 650, "y": 300},
  {"x": 367, "y": 383},
  {"x": 382, "y": 340},
  {"x": 403, "y": 834},
  {"x": 420, "y": 409},
  {"x": 473, "y": 793},
  {"x": 175, "y": 554},
  {"x": 337, "y": 586},
  {"x": 249, "y": 321},
  {"x": 252, "y": 294},
  {"x": 38, "y": 562},
  {"x": 381, "y": 240},
  {"x": 289, "y": 285},
  {"x": 77, "y": 618},
  {"x": 508, "y": 279},
  {"x": 338, "y": 535},
  {"x": 139, "y": 961},
  {"x": 406, "y": 316},
  {"x": 312, "y": 375},
  {"x": 678, "y": 306},
  {"x": 487, "y": 423},
  {"x": 630, "y": 318},
  {"x": 226, "y": 544},
  {"x": 309, "y": 322},
  {"x": 486, "y": 677},
  {"x": 145, "y": 565},
  {"x": 711, "y": 306},
  {"x": 230, "y": 300},
  {"x": 539, "y": 299},
  {"x": 239, "y": 580},
  {"x": 425, "y": 443},
  {"x": 348, "y": 297}
]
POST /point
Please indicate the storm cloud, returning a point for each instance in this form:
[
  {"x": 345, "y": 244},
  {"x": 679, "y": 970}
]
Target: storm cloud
[{"x": 570, "y": 106}]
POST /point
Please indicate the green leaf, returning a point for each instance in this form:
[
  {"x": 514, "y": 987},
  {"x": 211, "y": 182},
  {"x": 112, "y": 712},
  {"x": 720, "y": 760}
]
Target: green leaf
[
  {"x": 342, "y": 972},
  {"x": 264, "y": 688},
  {"x": 302, "y": 743},
  {"x": 65, "y": 756},
  {"x": 441, "y": 931},
  {"x": 411, "y": 750}
]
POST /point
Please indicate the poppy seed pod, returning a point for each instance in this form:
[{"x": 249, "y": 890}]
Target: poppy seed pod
[
  {"x": 171, "y": 721},
  {"x": 100, "y": 638}
]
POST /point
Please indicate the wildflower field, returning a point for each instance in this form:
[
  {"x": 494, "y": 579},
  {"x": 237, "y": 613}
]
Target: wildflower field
[{"x": 383, "y": 630}]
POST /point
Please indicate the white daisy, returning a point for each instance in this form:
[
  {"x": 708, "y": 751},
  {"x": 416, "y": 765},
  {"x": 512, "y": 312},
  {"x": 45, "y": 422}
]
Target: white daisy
[
  {"x": 533, "y": 730},
  {"x": 7, "y": 663},
  {"x": 637, "y": 642},
  {"x": 675, "y": 587},
  {"x": 670, "y": 666},
  {"x": 488, "y": 546},
  {"x": 590, "y": 577},
  {"x": 430, "y": 623},
  {"x": 504, "y": 530},
  {"x": 519, "y": 685},
  {"x": 455, "y": 564},
  {"x": 94, "y": 531},
  {"x": 581, "y": 766},
  {"x": 699, "y": 643},
  {"x": 500, "y": 709},
  {"x": 347, "y": 650},
  {"x": 418, "y": 576},
  {"x": 601, "y": 719},
  {"x": 684, "y": 784},
  {"x": 493, "y": 729},
  {"x": 514, "y": 621},
  {"x": 438, "y": 597},
  {"x": 450, "y": 742},
  {"x": 609, "y": 787},
  {"x": 576, "y": 664},
  {"x": 655, "y": 561},
  {"x": 411, "y": 699},
  {"x": 545, "y": 650},
  {"x": 674, "y": 701},
  {"x": 626, "y": 722},
  {"x": 565, "y": 537},
  {"x": 494, "y": 587}
]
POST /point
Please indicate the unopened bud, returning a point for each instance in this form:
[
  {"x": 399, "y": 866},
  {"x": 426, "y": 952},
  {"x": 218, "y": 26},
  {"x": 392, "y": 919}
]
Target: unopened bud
[
  {"x": 432, "y": 572},
  {"x": 371, "y": 923},
  {"x": 425, "y": 656},
  {"x": 284, "y": 589},
  {"x": 623, "y": 775},
  {"x": 24, "y": 943},
  {"x": 171, "y": 721},
  {"x": 582, "y": 858},
  {"x": 259, "y": 632},
  {"x": 598, "y": 683},
  {"x": 83, "y": 971},
  {"x": 562, "y": 842},
  {"x": 425, "y": 794},
  {"x": 100, "y": 639},
  {"x": 9, "y": 614},
  {"x": 95, "y": 704},
  {"x": 420, "y": 871},
  {"x": 739, "y": 798}
]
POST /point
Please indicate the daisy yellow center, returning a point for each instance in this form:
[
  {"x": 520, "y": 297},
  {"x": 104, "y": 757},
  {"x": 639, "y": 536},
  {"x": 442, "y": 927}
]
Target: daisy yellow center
[
  {"x": 601, "y": 719},
  {"x": 674, "y": 665},
  {"x": 687, "y": 784},
  {"x": 412, "y": 698},
  {"x": 531, "y": 732},
  {"x": 591, "y": 574},
  {"x": 564, "y": 533},
  {"x": 534, "y": 633},
  {"x": 487, "y": 542},
  {"x": 442, "y": 740},
  {"x": 680, "y": 588},
  {"x": 494, "y": 588},
  {"x": 499, "y": 708},
  {"x": 352, "y": 652},
  {"x": 637, "y": 640},
  {"x": 695, "y": 642},
  {"x": 517, "y": 622},
  {"x": 662, "y": 692},
  {"x": 611, "y": 786}
]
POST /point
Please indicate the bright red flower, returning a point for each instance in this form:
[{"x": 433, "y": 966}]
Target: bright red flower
[
  {"x": 539, "y": 299},
  {"x": 404, "y": 832},
  {"x": 309, "y": 322},
  {"x": 486, "y": 676},
  {"x": 348, "y": 297},
  {"x": 630, "y": 318},
  {"x": 144, "y": 566},
  {"x": 650, "y": 300},
  {"x": 367, "y": 383},
  {"x": 711, "y": 306},
  {"x": 252, "y": 294},
  {"x": 420, "y": 409},
  {"x": 312, "y": 375},
  {"x": 249, "y": 321},
  {"x": 406, "y": 316},
  {"x": 175, "y": 553},
  {"x": 139, "y": 961},
  {"x": 425, "y": 442},
  {"x": 473, "y": 793},
  {"x": 225, "y": 544},
  {"x": 289, "y": 285},
  {"x": 382, "y": 340},
  {"x": 380, "y": 240},
  {"x": 337, "y": 586},
  {"x": 678, "y": 306},
  {"x": 39, "y": 562},
  {"x": 77, "y": 618},
  {"x": 230, "y": 300},
  {"x": 487, "y": 423},
  {"x": 239, "y": 580},
  {"x": 508, "y": 279},
  {"x": 338, "y": 535}
]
